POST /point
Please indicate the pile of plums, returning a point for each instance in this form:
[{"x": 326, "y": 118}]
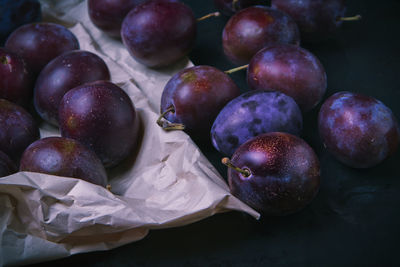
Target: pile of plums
[{"x": 44, "y": 73}]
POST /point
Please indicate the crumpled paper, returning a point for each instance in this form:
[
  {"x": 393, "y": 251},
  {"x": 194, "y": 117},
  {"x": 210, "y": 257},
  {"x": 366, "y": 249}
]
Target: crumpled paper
[{"x": 166, "y": 183}]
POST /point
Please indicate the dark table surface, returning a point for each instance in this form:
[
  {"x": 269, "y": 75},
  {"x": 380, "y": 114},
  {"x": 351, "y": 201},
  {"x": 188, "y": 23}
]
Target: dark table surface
[{"x": 355, "y": 218}]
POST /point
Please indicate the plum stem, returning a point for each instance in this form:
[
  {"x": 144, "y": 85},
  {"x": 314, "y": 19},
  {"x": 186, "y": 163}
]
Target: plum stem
[
  {"x": 214, "y": 14},
  {"x": 246, "y": 172},
  {"x": 4, "y": 60},
  {"x": 353, "y": 18},
  {"x": 236, "y": 69},
  {"x": 166, "y": 125},
  {"x": 108, "y": 187},
  {"x": 234, "y": 5}
]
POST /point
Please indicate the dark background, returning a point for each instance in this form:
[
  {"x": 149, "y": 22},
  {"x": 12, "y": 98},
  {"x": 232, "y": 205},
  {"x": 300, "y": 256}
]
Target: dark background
[{"x": 355, "y": 218}]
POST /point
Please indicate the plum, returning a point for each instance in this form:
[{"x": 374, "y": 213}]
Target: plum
[
  {"x": 18, "y": 129},
  {"x": 7, "y": 166},
  {"x": 158, "y": 33},
  {"x": 101, "y": 116},
  {"x": 275, "y": 173},
  {"x": 255, "y": 27},
  {"x": 230, "y": 7},
  {"x": 63, "y": 73},
  {"x": 16, "y": 83},
  {"x": 108, "y": 15},
  {"x": 63, "y": 157},
  {"x": 317, "y": 19},
  {"x": 194, "y": 96},
  {"x": 15, "y": 13},
  {"x": 360, "y": 131},
  {"x": 254, "y": 113},
  {"x": 39, "y": 43},
  {"x": 291, "y": 70}
]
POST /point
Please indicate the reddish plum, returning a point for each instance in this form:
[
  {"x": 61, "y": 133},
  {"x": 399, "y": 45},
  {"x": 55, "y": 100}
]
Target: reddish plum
[
  {"x": 254, "y": 113},
  {"x": 16, "y": 83},
  {"x": 102, "y": 116},
  {"x": 7, "y": 166},
  {"x": 63, "y": 157},
  {"x": 253, "y": 28},
  {"x": 360, "y": 131},
  {"x": 158, "y": 33},
  {"x": 39, "y": 43},
  {"x": 279, "y": 175},
  {"x": 291, "y": 70},
  {"x": 108, "y": 15},
  {"x": 63, "y": 73},
  {"x": 230, "y": 7},
  {"x": 18, "y": 129},
  {"x": 195, "y": 96}
]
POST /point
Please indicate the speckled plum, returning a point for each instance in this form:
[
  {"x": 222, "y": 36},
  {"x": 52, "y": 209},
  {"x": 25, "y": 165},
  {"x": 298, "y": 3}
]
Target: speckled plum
[
  {"x": 101, "y": 116},
  {"x": 39, "y": 43},
  {"x": 291, "y": 70},
  {"x": 7, "y": 166},
  {"x": 254, "y": 113},
  {"x": 197, "y": 95},
  {"x": 63, "y": 157},
  {"x": 16, "y": 82},
  {"x": 255, "y": 27},
  {"x": 284, "y": 173},
  {"x": 360, "y": 131},
  {"x": 230, "y": 7},
  {"x": 317, "y": 19},
  {"x": 63, "y": 73},
  {"x": 18, "y": 129},
  {"x": 158, "y": 33}
]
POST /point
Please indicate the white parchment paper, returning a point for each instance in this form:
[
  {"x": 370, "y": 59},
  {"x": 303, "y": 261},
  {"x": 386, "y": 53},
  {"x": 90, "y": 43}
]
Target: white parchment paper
[{"x": 166, "y": 183}]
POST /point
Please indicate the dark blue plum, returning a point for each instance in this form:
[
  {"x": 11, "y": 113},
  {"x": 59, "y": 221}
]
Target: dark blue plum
[
  {"x": 360, "y": 131},
  {"x": 14, "y": 13},
  {"x": 252, "y": 114}
]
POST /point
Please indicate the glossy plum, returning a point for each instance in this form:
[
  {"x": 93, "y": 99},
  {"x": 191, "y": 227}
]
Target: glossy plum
[
  {"x": 15, "y": 13},
  {"x": 291, "y": 70},
  {"x": 284, "y": 173},
  {"x": 360, "y": 131},
  {"x": 7, "y": 166},
  {"x": 39, "y": 43},
  {"x": 18, "y": 129},
  {"x": 16, "y": 83},
  {"x": 254, "y": 113},
  {"x": 108, "y": 15},
  {"x": 63, "y": 157},
  {"x": 230, "y": 7},
  {"x": 158, "y": 33},
  {"x": 101, "y": 116},
  {"x": 197, "y": 95},
  {"x": 317, "y": 19},
  {"x": 253, "y": 28},
  {"x": 63, "y": 73}
]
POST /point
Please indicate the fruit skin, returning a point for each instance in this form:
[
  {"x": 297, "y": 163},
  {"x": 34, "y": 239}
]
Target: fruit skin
[
  {"x": 254, "y": 113},
  {"x": 255, "y": 27},
  {"x": 228, "y": 8},
  {"x": 101, "y": 116},
  {"x": 108, "y": 15},
  {"x": 63, "y": 157},
  {"x": 15, "y": 13},
  {"x": 158, "y": 33},
  {"x": 63, "y": 73},
  {"x": 291, "y": 70},
  {"x": 360, "y": 131},
  {"x": 16, "y": 83},
  {"x": 317, "y": 19},
  {"x": 7, "y": 166},
  {"x": 18, "y": 129},
  {"x": 46, "y": 42},
  {"x": 285, "y": 173},
  {"x": 197, "y": 95}
]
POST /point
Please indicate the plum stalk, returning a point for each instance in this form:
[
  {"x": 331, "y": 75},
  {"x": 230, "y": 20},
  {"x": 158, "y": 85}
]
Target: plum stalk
[
  {"x": 166, "y": 125},
  {"x": 246, "y": 172},
  {"x": 214, "y": 14}
]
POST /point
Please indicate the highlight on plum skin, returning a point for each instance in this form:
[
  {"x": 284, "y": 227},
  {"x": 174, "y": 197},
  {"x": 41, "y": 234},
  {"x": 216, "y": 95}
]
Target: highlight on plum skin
[
  {"x": 283, "y": 174},
  {"x": 291, "y": 70},
  {"x": 358, "y": 130}
]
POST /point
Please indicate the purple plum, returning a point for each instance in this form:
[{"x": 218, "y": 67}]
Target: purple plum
[
  {"x": 230, "y": 7},
  {"x": 7, "y": 166},
  {"x": 360, "y": 131},
  {"x": 254, "y": 113}
]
